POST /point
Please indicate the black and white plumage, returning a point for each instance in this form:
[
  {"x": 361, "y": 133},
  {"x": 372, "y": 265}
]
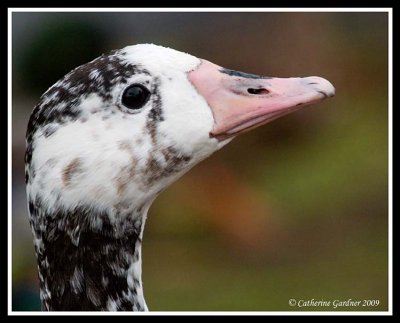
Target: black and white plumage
[{"x": 107, "y": 138}]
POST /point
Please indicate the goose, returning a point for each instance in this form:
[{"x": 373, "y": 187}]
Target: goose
[{"x": 105, "y": 140}]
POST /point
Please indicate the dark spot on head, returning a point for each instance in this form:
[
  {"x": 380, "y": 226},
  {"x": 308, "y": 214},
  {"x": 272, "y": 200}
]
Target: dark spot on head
[
  {"x": 152, "y": 130},
  {"x": 125, "y": 145},
  {"x": 155, "y": 114},
  {"x": 121, "y": 206},
  {"x": 127, "y": 173},
  {"x": 28, "y": 153},
  {"x": 174, "y": 162},
  {"x": 153, "y": 167},
  {"x": 72, "y": 169},
  {"x": 31, "y": 207},
  {"x": 26, "y": 176},
  {"x": 50, "y": 162},
  {"x": 50, "y": 129}
]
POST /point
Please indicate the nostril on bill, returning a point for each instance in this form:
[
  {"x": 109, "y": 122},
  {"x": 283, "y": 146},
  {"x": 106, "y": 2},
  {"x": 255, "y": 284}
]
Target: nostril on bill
[
  {"x": 258, "y": 91},
  {"x": 323, "y": 93}
]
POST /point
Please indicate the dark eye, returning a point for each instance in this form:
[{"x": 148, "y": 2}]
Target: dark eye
[{"x": 135, "y": 96}]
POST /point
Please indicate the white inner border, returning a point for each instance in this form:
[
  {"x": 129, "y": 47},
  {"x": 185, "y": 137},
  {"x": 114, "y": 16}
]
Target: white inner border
[{"x": 390, "y": 134}]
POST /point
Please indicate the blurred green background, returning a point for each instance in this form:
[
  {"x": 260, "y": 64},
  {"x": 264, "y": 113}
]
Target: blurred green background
[{"x": 297, "y": 209}]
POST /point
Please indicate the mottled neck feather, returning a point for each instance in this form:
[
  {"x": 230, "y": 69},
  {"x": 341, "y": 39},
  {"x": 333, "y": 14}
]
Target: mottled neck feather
[{"x": 88, "y": 262}]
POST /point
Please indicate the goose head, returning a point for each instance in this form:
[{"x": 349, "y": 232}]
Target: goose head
[{"x": 107, "y": 138}]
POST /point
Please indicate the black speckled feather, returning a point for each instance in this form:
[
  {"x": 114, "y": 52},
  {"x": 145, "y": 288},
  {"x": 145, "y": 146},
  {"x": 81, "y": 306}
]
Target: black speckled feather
[
  {"x": 82, "y": 268},
  {"x": 58, "y": 104}
]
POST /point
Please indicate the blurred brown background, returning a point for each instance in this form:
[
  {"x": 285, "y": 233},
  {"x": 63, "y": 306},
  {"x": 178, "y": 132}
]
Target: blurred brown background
[{"x": 296, "y": 209}]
